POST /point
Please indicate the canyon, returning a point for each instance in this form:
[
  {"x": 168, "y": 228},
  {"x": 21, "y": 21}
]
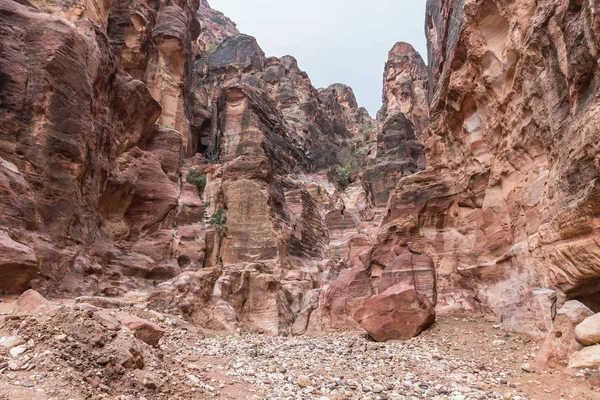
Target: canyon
[{"x": 153, "y": 157}]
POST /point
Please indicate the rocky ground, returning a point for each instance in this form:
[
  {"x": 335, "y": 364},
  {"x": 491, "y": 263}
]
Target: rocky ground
[{"x": 80, "y": 352}]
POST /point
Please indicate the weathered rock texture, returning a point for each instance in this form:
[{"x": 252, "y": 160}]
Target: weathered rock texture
[
  {"x": 153, "y": 144},
  {"x": 560, "y": 342},
  {"x": 399, "y": 313},
  {"x": 508, "y": 203}
]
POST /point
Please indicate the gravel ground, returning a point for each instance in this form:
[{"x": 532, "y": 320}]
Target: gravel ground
[{"x": 456, "y": 359}]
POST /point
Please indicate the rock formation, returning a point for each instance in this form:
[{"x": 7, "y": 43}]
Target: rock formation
[
  {"x": 504, "y": 212},
  {"x": 141, "y": 144},
  {"x": 152, "y": 146}
]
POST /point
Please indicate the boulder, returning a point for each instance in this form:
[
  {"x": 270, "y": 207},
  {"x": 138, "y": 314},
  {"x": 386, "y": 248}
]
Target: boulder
[
  {"x": 588, "y": 357},
  {"x": 399, "y": 313},
  {"x": 144, "y": 330},
  {"x": 587, "y": 333},
  {"x": 31, "y": 302}
]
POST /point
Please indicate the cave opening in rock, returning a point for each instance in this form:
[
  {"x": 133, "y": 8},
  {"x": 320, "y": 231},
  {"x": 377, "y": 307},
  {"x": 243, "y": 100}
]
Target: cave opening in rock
[
  {"x": 592, "y": 301},
  {"x": 203, "y": 137},
  {"x": 588, "y": 294}
]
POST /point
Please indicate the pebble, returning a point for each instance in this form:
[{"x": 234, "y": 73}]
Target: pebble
[
  {"x": 527, "y": 368},
  {"x": 61, "y": 338},
  {"x": 18, "y": 350},
  {"x": 303, "y": 381},
  {"x": 149, "y": 384},
  {"x": 102, "y": 360}
]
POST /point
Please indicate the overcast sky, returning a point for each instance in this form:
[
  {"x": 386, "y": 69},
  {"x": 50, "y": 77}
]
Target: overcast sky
[{"x": 344, "y": 41}]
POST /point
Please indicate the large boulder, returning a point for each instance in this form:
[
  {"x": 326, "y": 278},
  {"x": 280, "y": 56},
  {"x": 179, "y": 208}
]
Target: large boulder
[
  {"x": 587, "y": 333},
  {"x": 399, "y": 313},
  {"x": 588, "y": 357},
  {"x": 31, "y": 302}
]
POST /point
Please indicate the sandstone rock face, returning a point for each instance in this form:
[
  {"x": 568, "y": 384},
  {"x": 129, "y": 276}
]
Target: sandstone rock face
[
  {"x": 406, "y": 87},
  {"x": 18, "y": 265},
  {"x": 398, "y": 313},
  {"x": 507, "y": 203},
  {"x": 402, "y": 124},
  {"x": 92, "y": 175}
]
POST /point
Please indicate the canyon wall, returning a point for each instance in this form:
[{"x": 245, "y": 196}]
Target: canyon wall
[
  {"x": 152, "y": 147},
  {"x": 507, "y": 206}
]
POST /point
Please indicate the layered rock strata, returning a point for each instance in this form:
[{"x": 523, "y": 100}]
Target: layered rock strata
[{"x": 505, "y": 209}]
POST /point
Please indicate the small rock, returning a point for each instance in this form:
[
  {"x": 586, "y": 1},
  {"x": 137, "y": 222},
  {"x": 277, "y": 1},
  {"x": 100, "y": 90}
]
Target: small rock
[
  {"x": 61, "y": 338},
  {"x": 377, "y": 389},
  {"x": 17, "y": 351},
  {"x": 527, "y": 368},
  {"x": 102, "y": 360},
  {"x": 303, "y": 381},
  {"x": 144, "y": 330},
  {"x": 11, "y": 341},
  {"x": 149, "y": 384},
  {"x": 14, "y": 365}
]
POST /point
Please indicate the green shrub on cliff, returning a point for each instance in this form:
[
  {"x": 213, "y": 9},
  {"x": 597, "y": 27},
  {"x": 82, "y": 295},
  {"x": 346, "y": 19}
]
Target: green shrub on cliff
[
  {"x": 198, "y": 179},
  {"x": 341, "y": 175},
  {"x": 217, "y": 221}
]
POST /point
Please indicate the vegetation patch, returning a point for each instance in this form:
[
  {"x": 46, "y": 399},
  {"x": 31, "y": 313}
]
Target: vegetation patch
[
  {"x": 211, "y": 157},
  {"x": 217, "y": 221},
  {"x": 341, "y": 175},
  {"x": 198, "y": 179}
]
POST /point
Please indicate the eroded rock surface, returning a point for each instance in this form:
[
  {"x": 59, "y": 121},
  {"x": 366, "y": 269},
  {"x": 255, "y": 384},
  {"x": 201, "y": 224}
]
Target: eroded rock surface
[
  {"x": 506, "y": 205},
  {"x": 153, "y": 147}
]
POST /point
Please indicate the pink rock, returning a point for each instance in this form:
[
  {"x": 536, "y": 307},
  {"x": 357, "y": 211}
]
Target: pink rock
[
  {"x": 144, "y": 330},
  {"x": 31, "y": 302},
  {"x": 399, "y": 313}
]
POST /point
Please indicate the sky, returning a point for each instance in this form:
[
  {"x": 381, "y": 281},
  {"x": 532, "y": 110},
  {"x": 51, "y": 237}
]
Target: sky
[{"x": 345, "y": 41}]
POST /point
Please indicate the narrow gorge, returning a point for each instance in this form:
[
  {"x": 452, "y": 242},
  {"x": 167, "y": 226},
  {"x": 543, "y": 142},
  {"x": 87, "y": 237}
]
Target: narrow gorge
[{"x": 172, "y": 196}]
